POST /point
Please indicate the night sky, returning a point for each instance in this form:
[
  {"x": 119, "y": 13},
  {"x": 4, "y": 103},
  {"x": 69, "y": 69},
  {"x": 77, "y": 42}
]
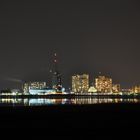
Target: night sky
[{"x": 88, "y": 36}]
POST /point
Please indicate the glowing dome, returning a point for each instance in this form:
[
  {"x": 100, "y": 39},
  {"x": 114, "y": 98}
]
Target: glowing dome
[{"x": 92, "y": 89}]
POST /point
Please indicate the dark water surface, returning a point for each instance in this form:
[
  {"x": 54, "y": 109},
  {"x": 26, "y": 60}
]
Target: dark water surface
[{"x": 97, "y": 117}]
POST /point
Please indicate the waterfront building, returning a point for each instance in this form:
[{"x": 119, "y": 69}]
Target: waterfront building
[
  {"x": 116, "y": 88},
  {"x": 136, "y": 89},
  {"x": 37, "y": 85},
  {"x": 80, "y": 83},
  {"x": 33, "y": 85},
  {"x": 103, "y": 84},
  {"x": 26, "y": 88},
  {"x": 127, "y": 91}
]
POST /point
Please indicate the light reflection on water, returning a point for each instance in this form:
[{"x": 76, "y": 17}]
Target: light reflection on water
[{"x": 61, "y": 101}]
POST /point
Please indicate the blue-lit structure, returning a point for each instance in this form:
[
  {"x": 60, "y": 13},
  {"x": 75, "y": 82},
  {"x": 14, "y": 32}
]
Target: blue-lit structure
[
  {"x": 45, "y": 91},
  {"x": 41, "y": 91}
]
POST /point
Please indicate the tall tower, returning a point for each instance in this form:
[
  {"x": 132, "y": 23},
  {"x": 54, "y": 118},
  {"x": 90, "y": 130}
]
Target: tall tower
[{"x": 56, "y": 76}]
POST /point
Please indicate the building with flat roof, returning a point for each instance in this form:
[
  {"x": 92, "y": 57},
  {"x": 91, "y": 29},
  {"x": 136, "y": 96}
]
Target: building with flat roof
[
  {"x": 32, "y": 86},
  {"x": 103, "y": 84},
  {"x": 80, "y": 83}
]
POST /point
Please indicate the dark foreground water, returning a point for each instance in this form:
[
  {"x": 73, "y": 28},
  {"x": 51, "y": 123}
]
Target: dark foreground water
[{"x": 97, "y": 117}]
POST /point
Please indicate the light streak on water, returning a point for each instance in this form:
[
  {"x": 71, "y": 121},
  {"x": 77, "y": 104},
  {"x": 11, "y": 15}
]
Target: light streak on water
[{"x": 62, "y": 101}]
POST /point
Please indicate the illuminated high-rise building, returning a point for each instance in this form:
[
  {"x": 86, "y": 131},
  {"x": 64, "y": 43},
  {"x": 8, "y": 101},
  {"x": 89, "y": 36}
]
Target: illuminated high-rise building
[
  {"x": 103, "y": 84},
  {"x": 80, "y": 83}
]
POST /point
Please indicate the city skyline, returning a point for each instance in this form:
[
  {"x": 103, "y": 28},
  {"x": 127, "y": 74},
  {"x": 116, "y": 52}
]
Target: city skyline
[
  {"x": 91, "y": 79},
  {"x": 79, "y": 84},
  {"x": 90, "y": 37}
]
